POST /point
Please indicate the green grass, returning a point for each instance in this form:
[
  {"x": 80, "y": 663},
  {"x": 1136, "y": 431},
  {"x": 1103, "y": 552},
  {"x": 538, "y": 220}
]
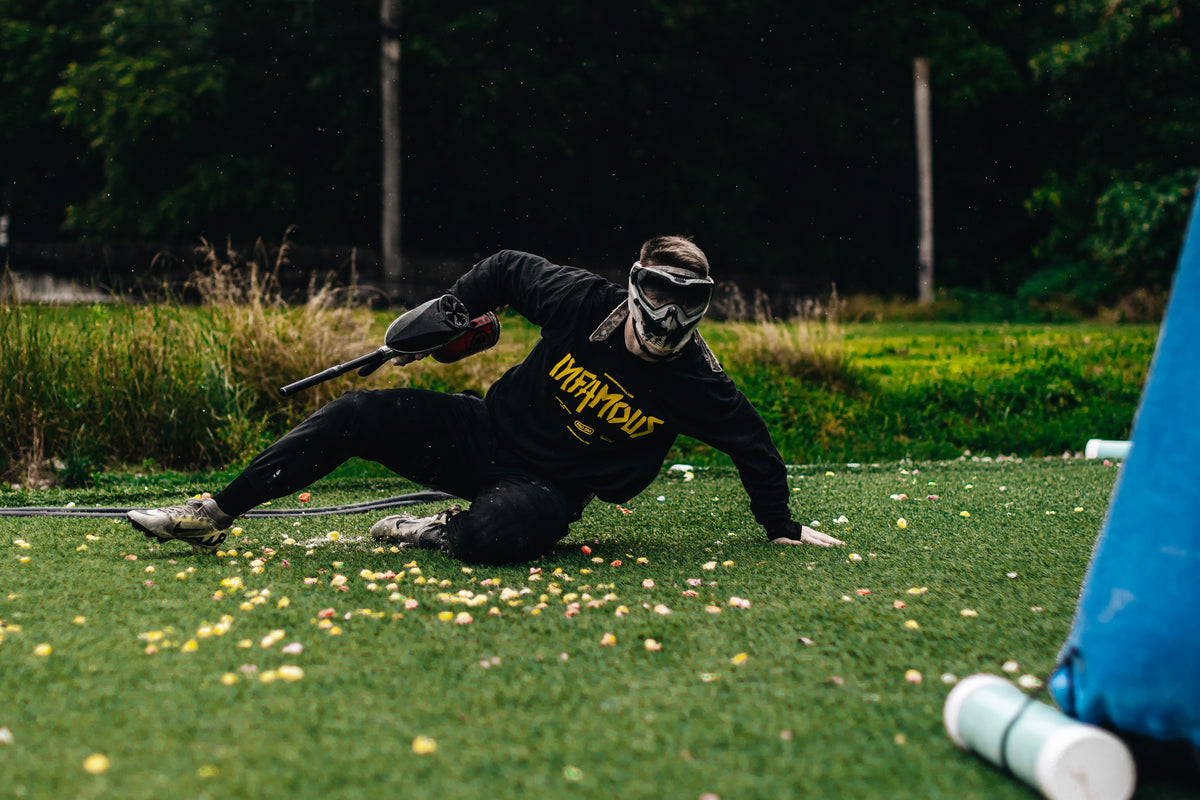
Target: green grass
[
  {"x": 932, "y": 391},
  {"x": 554, "y": 711}
]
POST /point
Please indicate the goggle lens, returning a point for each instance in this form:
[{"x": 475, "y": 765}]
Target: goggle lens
[{"x": 659, "y": 291}]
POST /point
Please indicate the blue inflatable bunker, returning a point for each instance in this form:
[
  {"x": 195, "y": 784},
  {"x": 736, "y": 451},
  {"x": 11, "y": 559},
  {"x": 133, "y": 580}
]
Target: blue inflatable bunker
[{"x": 1132, "y": 659}]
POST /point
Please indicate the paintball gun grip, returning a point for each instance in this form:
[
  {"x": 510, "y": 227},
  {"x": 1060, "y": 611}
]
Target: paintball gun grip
[{"x": 370, "y": 362}]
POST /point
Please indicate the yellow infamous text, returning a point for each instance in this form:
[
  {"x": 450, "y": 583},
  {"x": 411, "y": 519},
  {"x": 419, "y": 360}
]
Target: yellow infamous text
[{"x": 601, "y": 397}]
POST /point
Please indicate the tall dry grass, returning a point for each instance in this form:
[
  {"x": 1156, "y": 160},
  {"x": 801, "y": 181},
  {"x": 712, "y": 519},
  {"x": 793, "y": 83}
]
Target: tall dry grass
[
  {"x": 263, "y": 339},
  {"x": 271, "y": 342},
  {"x": 808, "y": 343}
]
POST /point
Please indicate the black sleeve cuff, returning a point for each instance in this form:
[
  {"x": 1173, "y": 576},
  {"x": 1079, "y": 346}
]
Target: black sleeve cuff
[{"x": 789, "y": 530}]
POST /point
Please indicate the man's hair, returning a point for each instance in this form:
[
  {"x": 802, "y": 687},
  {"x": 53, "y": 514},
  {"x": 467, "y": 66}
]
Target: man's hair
[{"x": 675, "y": 251}]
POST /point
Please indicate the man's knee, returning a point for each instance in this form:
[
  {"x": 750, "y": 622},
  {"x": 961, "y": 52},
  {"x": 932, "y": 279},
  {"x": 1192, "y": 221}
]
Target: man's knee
[
  {"x": 484, "y": 544},
  {"x": 516, "y": 520}
]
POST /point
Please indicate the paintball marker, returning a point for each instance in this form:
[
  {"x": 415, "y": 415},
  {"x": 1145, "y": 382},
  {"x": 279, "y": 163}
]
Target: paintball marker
[{"x": 441, "y": 327}]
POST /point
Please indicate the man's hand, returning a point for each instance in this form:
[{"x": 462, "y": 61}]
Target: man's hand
[
  {"x": 407, "y": 358},
  {"x": 809, "y": 536}
]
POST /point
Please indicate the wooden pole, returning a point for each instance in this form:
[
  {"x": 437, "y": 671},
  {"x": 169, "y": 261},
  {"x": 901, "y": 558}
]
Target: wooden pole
[
  {"x": 389, "y": 78},
  {"x": 5, "y": 215},
  {"x": 924, "y": 181}
]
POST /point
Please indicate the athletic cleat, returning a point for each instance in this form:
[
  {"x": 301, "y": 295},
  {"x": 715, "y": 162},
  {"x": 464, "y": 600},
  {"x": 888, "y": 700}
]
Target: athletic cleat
[
  {"x": 407, "y": 530},
  {"x": 199, "y": 522}
]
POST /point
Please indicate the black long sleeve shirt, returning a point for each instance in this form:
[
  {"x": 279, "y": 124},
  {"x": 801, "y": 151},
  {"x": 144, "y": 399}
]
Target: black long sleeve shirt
[{"x": 583, "y": 410}]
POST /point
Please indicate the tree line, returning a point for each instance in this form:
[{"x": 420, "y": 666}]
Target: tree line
[{"x": 779, "y": 134}]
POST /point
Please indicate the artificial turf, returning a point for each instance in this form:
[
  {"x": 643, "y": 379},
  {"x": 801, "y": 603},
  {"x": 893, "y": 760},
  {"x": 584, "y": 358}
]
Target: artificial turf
[{"x": 683, "y": 656}]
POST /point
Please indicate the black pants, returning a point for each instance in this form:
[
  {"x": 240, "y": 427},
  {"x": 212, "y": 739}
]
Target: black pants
[{"x": 442, "y": 441}]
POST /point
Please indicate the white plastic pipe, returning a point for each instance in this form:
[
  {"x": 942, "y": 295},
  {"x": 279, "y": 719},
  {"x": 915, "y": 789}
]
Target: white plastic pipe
[{"x": 1107, "y": 448}]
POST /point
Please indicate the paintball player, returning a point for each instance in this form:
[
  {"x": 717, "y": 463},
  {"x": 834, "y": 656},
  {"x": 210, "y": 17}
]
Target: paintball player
[{"x": 592, "y": 411}]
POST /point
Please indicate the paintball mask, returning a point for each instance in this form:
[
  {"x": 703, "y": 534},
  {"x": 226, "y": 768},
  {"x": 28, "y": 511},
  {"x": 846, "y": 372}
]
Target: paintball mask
[{"x": 666, "y": 304}]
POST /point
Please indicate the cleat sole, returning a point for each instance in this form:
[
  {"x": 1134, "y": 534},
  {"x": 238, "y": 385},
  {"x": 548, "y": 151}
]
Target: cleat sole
[{"x": 197, "y": 547}]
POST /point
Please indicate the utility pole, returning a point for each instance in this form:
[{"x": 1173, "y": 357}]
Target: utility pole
[
  {"x": 924, "y": 181},
  {"x": 389, "y": 78},
  {"x": 5, "y": 216}
]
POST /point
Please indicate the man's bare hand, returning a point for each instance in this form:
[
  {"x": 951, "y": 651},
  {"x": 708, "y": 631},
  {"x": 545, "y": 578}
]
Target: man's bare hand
[
  {"x": 809, "y": 536},
  {"x": 407, "y": 358}
]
